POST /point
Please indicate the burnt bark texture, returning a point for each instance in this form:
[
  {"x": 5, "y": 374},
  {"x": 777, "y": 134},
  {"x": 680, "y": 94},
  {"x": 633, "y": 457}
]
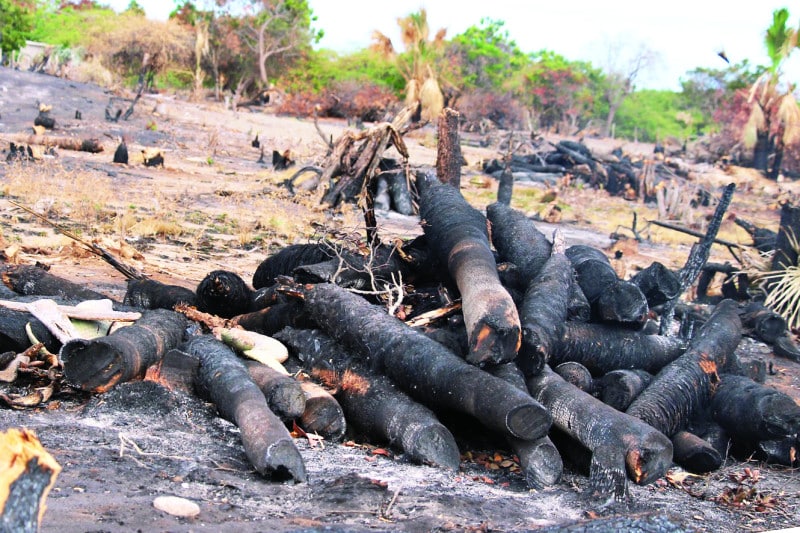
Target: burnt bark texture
[
  {"x": 283, "y": 262},
  {"x": 373, "y": 404},
  {"x": 448, "y": 150},
  {"x": 458, "y": 236},
  {"x": 618, "y": 442},
  {"x": 29, "y": 472},
  {"x": 152, "y": 294},
  {"x": 33, "y": 280},
  {"x": 695, "y": 454},
  {"x": 543, "y": 313},
  {"x": 98, "y": 364},
  {"x": 619, "y": 388},
  {"x": 284, "y": 394},
  {"x": 13, "y": 336},
  {"x": 421, "y": 366},
  {"x": 751, "y": 412},
  {"x": 225, "y": 381},
  {"x": 684, "y": 387},
  {"x": 658, "y": 284},
  {"x": 224, "y": 293},
  {"x": 602, "y": 348},
  {"x": 518, "y": 240}
]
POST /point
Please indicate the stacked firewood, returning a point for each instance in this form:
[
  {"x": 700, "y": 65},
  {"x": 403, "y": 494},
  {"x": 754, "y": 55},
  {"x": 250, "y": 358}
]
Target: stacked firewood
[{"x": 539, "y": 343}]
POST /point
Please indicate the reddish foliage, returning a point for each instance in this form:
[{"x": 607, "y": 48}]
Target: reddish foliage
[
  {"x": 501, "y": 109},
  {"x": 78, "y": 5},
  {"x": 360, "y": 101},
  {"x": 367, "y": 102}
]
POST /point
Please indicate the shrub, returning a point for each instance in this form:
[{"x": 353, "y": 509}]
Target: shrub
[{"x": 501, "y": 109}]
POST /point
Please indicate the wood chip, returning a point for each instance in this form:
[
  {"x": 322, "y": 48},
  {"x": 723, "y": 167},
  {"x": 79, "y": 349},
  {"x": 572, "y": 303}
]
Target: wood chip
[{"x": 176, "y": 506}]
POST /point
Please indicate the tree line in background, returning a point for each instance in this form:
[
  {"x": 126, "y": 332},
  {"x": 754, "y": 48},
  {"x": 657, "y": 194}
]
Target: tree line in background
[{"x": 246, "y": 49}]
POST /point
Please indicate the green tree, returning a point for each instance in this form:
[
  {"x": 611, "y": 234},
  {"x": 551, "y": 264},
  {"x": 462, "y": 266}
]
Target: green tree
[
  {"x": 775, "y": 118},
  {"x": 560, "y": 92},
  {"x": 135, "y": 8},
  {"x": 276, "y": 31},
  {"x": 16, "y": 22},
  {"x": 706, "y": 89},
  {"x": 485, "y": 56}
]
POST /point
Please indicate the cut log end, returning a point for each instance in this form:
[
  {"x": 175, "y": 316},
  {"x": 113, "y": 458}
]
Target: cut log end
[
  {"x": 282, "y": 462},
  {"x": 435, "y": 445},
  {"x": 650, "y": 460},
  {"x": 493, "y": 345},
  {"x": 92, "y": 366},
  {"x": 528, "y": 422}
]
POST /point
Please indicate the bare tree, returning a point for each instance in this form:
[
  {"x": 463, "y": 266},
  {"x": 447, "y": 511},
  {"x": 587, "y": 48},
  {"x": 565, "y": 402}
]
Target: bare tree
[
  {"x": 624, "y": 63},
  {"x": 278, "y": 27}
]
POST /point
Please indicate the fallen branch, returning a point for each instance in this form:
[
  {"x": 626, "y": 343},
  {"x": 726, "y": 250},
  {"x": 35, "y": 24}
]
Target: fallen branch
[
  {"x": 92, "y": 146},
  {"x": 127, "y": 271}
]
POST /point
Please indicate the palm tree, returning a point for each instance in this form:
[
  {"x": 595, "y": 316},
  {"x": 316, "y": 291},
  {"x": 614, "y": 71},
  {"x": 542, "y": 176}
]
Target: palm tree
[
  {"x": 417, "y": 63},
  {"x": 774, "y": 119}
]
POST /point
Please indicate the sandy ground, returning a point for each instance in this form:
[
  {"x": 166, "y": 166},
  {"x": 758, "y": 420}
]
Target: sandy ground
[{"x": 122, "y": 449}]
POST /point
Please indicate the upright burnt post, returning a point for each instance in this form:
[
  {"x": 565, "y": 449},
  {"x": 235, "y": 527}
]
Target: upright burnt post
[{"x": 448, "y": 150}]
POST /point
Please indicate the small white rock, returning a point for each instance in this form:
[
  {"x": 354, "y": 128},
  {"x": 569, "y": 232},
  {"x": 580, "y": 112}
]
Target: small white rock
[{"x": 176, "y": 506}]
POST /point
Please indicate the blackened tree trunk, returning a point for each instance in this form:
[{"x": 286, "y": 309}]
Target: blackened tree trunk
[{"x": 448, "y": 153}]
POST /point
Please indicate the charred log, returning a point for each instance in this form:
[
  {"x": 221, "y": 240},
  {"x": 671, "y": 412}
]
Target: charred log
[
  {"x": 618, "y": 442},
  {"x": 33, "y": 280},
  {"x": 752, "y": 412},
  {"x": 685, "y": 386},
  {"x": 152, "y": 294},
  {"x": 458, "y": 237},
  {"x": 517, "y": 240},
  {"x": 284, "y": 394},
  {"x": 602, "y": 348},
  {"x": 224, "y": 293},
  {"x": 223, "y": 379},
  {"x": 619, "y": 388},
  {"x": 424, "y": 368},
  {"x": 576, "y": 375},
  {"x": 98, "y": 364},
  {"x": 373, "y": 405},
  {"x": 695, "y": 454}
]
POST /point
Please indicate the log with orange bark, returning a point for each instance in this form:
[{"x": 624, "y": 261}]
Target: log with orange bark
[{"x": 27, "y": 473}]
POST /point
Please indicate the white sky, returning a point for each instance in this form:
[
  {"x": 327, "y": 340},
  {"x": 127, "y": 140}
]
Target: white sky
[{"x": 685, "y": 34}]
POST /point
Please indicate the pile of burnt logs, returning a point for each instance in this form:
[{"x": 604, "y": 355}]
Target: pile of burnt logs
[
  {"x": 618, "y": 173},
  {"x": 539, "y": 343}
]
